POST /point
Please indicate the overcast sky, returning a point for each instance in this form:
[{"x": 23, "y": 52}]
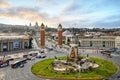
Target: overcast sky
[{"x": 70, "y": 13}]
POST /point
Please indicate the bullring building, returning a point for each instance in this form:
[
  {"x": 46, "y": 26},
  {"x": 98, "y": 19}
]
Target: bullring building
[{"x": 16, "y": 42}]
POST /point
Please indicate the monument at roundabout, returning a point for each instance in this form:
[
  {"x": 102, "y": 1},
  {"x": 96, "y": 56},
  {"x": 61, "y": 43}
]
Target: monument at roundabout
[
  {"x": 74, "y": 62},
  {"x": 73, "y": 66}
]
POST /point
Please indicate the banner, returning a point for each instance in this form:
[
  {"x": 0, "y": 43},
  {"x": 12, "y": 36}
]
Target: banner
[{"x": 16, "y": 44}]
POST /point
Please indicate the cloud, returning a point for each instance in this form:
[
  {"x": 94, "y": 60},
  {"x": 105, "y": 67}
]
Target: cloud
[
  {"x": 28, "y": 14},
  {"x": 91, "y": 13},
  {"x": 77, "y": 13},
  {"x": 45, "y": 2},
  {"x": 22, "y": 13},
  {"x": 4, "y": 4}
]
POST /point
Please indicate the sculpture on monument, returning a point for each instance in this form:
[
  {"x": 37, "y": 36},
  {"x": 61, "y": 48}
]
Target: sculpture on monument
[{"x": 73, "y": 61}]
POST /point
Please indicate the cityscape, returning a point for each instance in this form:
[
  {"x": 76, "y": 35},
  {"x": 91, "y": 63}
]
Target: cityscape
[{"x": 59, "y": 40}]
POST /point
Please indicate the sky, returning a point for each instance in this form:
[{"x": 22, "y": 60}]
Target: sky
[{"x": 69, "y": 13}]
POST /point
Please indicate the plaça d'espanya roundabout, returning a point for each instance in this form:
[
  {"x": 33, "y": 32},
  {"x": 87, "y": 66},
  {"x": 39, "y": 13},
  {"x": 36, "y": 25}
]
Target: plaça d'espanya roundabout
[{"x": 74, "y": 67}]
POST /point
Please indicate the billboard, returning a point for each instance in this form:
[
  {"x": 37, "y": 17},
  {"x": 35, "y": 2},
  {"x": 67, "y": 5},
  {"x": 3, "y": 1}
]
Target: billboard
[
  {"x": 15, "y": 44},
  {"x": 4, "y": 46}
]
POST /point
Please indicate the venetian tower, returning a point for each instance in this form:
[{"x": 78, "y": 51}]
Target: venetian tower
[
  {"x": 42, "y": 36},
  {"x": 60, "y": 35}
]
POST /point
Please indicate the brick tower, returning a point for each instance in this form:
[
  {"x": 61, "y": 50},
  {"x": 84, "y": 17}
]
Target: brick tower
[
  {"x": 60, "y": 35},
  {"x": 42, "y": 35}
]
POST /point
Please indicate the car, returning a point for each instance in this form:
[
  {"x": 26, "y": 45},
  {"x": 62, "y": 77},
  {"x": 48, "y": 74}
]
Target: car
[
  {"x": 25, "y": 56},
  {"x": 38, "y": 56},
  {"x": 22, "y": 65},
  {"x": 11, "y": 59},
  {"x": 43, "y": 56},
  {"x": 28, "y": 58},
  {"x": 33, "y": 58},
  {"x": 42, "y": 51},
  {"x": 50, "y": 48},
  {"x": 118, "y": 76}
]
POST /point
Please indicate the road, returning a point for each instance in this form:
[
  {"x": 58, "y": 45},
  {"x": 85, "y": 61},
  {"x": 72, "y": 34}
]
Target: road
[{"x": 25, "y": 72}]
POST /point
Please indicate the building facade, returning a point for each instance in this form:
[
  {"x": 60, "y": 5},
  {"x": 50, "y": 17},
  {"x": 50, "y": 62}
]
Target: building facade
[
  {"x": 8, "y": 43},
  {"x": 101, "y": 42}
]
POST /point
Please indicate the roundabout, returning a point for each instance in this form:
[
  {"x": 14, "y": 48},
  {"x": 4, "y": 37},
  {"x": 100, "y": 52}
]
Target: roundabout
[{"x": 44, "y": 69}]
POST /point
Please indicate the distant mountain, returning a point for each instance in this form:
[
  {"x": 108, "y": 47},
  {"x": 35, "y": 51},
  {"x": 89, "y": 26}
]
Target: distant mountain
[
  {"x": 13, "y": 28},
  {"x": 9, "y": 25}
]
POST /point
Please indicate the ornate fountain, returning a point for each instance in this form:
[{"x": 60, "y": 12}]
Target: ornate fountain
[{"x": 74, "y": 62}]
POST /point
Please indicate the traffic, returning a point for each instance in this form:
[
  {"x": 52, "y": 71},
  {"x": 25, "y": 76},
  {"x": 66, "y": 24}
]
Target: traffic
[{"x": 20, "y": 61}]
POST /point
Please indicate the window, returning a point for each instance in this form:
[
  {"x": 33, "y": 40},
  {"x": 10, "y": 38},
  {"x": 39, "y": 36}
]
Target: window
[
  {"x": 103, "y": 43},
  {"x": 90, "y": 43}
]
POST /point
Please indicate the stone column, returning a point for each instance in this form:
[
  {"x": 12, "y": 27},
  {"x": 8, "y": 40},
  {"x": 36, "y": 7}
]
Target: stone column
[
  {"x": 23, "y": 45},
  {"x": 66, "y": 40},
  {"x": 1, "y": 46},
  {"x": 20, "y": 45},
  {"x": 11, "y": 45},
  {"x": 8, "y": 46}
]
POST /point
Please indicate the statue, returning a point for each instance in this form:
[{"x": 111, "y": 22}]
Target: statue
[{"x": 72, "y": 53}]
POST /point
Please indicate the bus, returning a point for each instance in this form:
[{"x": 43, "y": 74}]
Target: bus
[
  {"x": 4, "y": 63},
  {"x": 18, "y": 63}
]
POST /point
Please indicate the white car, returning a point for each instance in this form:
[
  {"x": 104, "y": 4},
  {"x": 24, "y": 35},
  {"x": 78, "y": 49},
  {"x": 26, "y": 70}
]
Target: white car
[{"x": 33, "y": 58}]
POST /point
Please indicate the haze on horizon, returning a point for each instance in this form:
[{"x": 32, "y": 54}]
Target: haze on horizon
[{"x": 70, "y": 13}]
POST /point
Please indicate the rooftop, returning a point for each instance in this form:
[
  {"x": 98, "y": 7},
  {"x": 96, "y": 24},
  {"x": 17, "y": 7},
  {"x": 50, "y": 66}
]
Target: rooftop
[{"x": 6, "y": 37}]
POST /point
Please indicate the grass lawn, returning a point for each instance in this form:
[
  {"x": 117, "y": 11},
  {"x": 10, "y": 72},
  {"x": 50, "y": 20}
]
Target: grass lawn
[{"x": 43, "y": 69}]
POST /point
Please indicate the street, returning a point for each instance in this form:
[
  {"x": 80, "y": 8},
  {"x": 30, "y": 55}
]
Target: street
[{"x": 24, "y": 73}]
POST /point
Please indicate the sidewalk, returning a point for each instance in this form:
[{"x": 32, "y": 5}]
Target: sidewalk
[{"x": 14, "y": 52}]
